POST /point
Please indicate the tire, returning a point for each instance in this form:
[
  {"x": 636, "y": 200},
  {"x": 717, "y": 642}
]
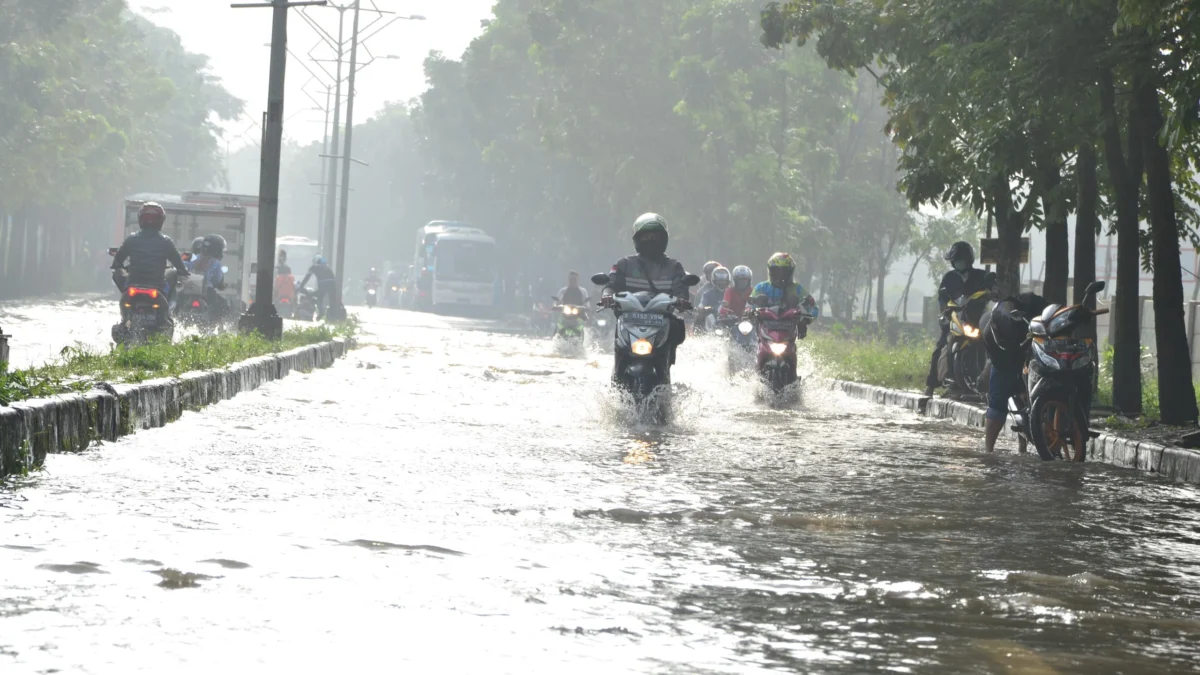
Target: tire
[
  {"x": 1057, "y": 429},
  {"x": 969, "y": 361}
]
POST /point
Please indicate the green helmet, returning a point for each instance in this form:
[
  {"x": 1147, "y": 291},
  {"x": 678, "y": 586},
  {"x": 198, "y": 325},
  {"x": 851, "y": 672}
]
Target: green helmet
[{"x": 647, "y": 224}]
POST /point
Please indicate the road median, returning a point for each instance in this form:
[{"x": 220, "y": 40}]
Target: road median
[{"x": 91, "y": 410}]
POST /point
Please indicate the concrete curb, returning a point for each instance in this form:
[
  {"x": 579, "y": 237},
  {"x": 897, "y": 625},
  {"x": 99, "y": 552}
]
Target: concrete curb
[
  {"x": 1178, "y": 464},
  {"x": 29, "y": 430}
]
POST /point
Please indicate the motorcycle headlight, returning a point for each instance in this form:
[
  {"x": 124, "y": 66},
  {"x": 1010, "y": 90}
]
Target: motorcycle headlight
[
  {"x": 778, "y": 348},
  {"x": 372, "y": 291},
  {"x": 745, "y": 327},
  {"x": 970, "y": 331},
  {"x": 601, "y": 322},
  {"x": 641, "y": 347}
]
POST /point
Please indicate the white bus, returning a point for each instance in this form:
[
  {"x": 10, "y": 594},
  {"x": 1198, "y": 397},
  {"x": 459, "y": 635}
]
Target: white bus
[{"x": 455, "y": 267}]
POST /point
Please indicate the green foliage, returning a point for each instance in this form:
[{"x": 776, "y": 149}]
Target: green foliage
[
  {"x": 858, "y": 357},
  {"x": 79, "y": 368}
]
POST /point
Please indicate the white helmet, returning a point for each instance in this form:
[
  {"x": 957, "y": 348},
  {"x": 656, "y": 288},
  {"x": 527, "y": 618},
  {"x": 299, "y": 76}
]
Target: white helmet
[
  {"x": 742, "y": 273},
  {"x": 720, "y": 278}
]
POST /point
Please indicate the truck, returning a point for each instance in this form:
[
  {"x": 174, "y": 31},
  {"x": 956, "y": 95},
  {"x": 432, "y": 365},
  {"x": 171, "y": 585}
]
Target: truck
[
  {"x": 247, "y": 247},
  {"x": 186, "y": 221}
]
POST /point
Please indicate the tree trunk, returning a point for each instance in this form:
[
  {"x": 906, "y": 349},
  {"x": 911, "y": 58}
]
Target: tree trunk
[
  {"x": 1126, "y": 182},
  {"x": 1086, "y": 224},
  {"x": 1176, "y": 394},
  {"x": 1008, "y": 229},
  {"x": 880, "y": 311},
  {"x": 1058, "y": 264},
  {"x": 908, "y": 285},
  {"x": 16, "y": 256}
]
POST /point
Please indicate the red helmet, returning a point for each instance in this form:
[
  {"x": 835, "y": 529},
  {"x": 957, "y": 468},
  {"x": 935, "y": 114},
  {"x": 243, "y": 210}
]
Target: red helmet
[{"x": 152, "y": 216}]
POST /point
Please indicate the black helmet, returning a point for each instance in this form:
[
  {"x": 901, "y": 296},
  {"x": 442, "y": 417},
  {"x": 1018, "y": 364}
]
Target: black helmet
[
  {"x": 650, "y": 235},
  {"x": 214, "y": 244},
  {"x": 198, "y": 246},
  {"x": 152, "y": 216},
  {"x": 960, "y": 251}
]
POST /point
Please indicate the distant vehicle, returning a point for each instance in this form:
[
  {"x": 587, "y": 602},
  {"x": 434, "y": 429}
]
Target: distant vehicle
[
  {"x": 300, "y": 251},
  {"x": 187, "y": 221},
  {"x": 242, "y": 248},
  {"x": 456, "y": 268}
]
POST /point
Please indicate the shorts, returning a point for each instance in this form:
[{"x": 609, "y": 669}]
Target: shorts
[{"x": 1003, "y": 385}]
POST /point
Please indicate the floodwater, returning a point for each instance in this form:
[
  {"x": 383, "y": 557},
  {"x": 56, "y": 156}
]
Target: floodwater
[{"x": 452, "y": 500}]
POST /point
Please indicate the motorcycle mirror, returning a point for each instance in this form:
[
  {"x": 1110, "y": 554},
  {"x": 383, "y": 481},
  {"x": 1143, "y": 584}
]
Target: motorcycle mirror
[
  {"x": 600, "y": 279},
  {"x": 989, "y": 279},
  {"x": 691, "y": 279},
  {"x": 1093, "y": 288},
  {"x": 112, "y": 251}
]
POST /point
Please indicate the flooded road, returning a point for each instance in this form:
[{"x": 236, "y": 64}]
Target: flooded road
[{"x": 447, "y": 499}]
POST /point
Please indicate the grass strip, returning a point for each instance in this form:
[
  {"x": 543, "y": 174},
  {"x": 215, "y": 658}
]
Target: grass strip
[
  {"x": 870, "y": 359},
  {"x": 78, "y": 369}
]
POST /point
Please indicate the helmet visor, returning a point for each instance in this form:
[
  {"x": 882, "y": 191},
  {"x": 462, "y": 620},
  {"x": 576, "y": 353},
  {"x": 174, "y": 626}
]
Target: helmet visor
[{"x": 782, "y": 276}]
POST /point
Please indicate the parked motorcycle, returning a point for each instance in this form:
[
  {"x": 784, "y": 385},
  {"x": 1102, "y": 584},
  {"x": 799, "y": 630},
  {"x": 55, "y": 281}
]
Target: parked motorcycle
[
  {"x": 778, "y": 329},
  {"x": 642, "y": 349},
  {"x": 1054, "y": 410},
  {"x": 145, "y": 312},
  {"x": 964, "y": 355},
  {"x": 306, "y": 304}
]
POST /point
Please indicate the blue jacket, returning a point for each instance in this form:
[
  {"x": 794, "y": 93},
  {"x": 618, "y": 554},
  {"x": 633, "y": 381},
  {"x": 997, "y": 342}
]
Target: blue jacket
[{"x": 775, "y": 296}]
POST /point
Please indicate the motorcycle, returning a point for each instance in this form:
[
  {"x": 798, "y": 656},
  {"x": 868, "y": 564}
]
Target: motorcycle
[
  {"x": 285, "y": 295},
  {"x": 145, "y": 311},
  {"x": 571, "y": 321},
  {"x": 642, "y": 346},
  {"x": 393, "y": 294},
  {"x": 542, "y": 321},
  {"x": 705, "y": 321},
  {"x": 1054, "y": 411},
  {"x": 372, "y": 288},
  {"x": 778, "y": 329},
  {"x": 964, "y": 354},
  {"x": 306, "y": 304}
]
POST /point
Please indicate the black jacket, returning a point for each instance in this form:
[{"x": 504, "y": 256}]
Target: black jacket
[
  {"x": 149, "y": 252},
  {"x": 955, "y": 285},
  {"x": 638, "y": 273},
  {"x": 1005, "y": 336},
  {"x": 323, "y": 274}
]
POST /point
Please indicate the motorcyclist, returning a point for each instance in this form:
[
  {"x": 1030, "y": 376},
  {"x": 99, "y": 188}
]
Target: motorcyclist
[
  {"x": 372, "y": 278},
  {"x": 209, "y": 266},
  {"x": 197, "y": 251},
  {"x": 705, "y": 281},
  {"x": 326, "y": 283},
  {"x": 651, "y": 271},
  {"x": 781, "y": 288},
  {"x": 715, "y": 295},
  {"x": 281, "y": 266},
  {"x": 963, "y": 279},
  {"x": 573, "y": 293},
  {"x": 149, "y": 251},
  {"x": 737, "y": 295}
]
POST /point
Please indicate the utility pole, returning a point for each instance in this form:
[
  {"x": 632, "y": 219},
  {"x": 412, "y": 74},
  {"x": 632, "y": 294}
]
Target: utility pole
[
  {"x": 262, "y": 316},
  {"x": 338, "y": 306},
  {"x": 331, "y": 179}
]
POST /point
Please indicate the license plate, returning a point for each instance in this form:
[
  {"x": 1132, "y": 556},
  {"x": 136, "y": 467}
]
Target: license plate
[
  {"x": 1066, "y": 346},
  {"x": 144, "y": 320},
  {"x": 645, "y": 319},
  {"x": 777, "y": 326}
]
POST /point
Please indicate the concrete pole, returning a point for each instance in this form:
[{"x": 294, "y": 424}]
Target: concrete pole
[
  {"x": 326, "y": 191},
  {"x": 262, "y": 316},
  {"x": 331, "y": 179},
  {"x": 339, "y": 270}
]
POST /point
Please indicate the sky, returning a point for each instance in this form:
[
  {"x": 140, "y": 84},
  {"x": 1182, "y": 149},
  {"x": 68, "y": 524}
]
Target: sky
[{"x": 235, "y": 39}]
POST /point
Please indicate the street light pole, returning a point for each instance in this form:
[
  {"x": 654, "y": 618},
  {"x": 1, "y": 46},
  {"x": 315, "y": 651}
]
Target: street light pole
[
  {"x": 262, "y": 316},
  {"x": 331, "y": 179},
  {"x": 324, "y": 151},
  {"x": 339, "y": 270}
]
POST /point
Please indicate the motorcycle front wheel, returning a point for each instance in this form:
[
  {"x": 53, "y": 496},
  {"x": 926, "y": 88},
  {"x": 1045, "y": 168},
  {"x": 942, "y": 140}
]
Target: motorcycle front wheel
[
  {"x": 1057, "y": 430},
  {"x": 969, "y": 361}
]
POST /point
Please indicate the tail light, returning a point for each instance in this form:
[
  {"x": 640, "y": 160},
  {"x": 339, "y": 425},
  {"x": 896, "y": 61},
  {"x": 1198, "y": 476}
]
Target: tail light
[
  {"x": 195, "y": 303},
  {"x": 148, "y": 292},
  {"x": 284, "y": 301}
]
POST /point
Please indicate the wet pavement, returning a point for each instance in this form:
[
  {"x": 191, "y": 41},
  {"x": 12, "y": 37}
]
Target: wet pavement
[{"x": 448, "y": 499}]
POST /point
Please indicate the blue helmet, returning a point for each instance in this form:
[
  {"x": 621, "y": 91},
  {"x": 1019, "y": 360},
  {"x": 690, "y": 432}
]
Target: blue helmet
[{"x": 319, "y": 260}]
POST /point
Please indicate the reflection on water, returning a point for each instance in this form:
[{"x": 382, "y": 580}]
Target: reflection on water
[{"x": 481, "y": 490}]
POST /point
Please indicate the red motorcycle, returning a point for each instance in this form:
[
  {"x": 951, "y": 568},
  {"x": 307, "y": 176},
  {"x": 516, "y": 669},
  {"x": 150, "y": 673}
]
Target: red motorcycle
[{"x": 778, "y": 329}]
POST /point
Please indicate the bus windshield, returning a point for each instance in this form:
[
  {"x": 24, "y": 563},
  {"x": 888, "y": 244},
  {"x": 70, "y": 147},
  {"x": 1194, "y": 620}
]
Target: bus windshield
[{"x": 465, "y": 261}]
